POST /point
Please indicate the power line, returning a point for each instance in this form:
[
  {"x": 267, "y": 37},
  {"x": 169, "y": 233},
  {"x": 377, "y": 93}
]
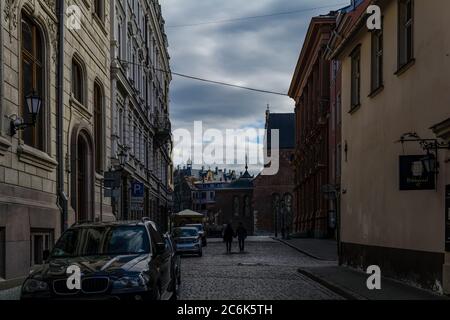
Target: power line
[
  {"x": 253, "y": 17},
  {"x": 209, "y": 81}
]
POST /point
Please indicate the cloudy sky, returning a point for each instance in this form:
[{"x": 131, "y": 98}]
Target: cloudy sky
[{"x": 258, "y": 52}]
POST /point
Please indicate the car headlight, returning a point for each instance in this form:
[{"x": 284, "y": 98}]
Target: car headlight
[
  {"x": 33, "y": 285},
  {"x": 129, "y": 282}
]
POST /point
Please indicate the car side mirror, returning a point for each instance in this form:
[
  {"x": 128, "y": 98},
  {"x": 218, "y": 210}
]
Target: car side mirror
[
  {"x": 160, "y": 248},
  {"x": 45, "y": 255}
]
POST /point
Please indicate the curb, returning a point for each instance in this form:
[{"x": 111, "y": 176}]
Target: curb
[
  {"x": 302, "y": 251},
  {"x": 348, "y": 295},
  {"x": 9, "y": 284}
]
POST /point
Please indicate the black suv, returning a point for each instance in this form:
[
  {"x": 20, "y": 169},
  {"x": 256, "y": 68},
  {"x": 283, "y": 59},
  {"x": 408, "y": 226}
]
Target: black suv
[{"x": 117, "y": 260}]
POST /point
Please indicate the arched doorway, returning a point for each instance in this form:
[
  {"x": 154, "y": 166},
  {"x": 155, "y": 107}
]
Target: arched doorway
[{"x": 82, "y": 175}]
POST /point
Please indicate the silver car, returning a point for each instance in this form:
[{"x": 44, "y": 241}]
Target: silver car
[{"x": 188, "y": 240}]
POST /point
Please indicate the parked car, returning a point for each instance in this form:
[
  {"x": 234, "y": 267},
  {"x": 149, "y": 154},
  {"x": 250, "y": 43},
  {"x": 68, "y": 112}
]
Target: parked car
[
  {"x": 201, "y": 231},
  {"x": 188, "y": 240},
  {"x": 176, "y": 265},
  {"x": 117, "y": 260}
]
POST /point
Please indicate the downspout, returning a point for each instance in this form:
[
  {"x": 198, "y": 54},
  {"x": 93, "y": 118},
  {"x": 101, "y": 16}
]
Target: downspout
[
  {"x": 1, "y": 71},
  {"x": 62, "y": 196}
]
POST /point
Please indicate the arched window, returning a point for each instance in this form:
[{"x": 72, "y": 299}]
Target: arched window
[
  {"x": 77, "y": 81},
  {"x": 98, "y": 126},
  {"x": 247, "y": 206},
  {"x": 33, "y": 79},
  {"x": 236, "y": 206}
]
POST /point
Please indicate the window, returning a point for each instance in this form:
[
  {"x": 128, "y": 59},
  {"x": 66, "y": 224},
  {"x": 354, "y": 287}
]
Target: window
[
  {"x": 356, "y": 78},
  {"x": 98, "y": 127},
  {"x": 40, "y": 241},
  {"x": 236, "y": 206},
  {"x": 377, "y": 60},
  {"x": 405, "y": 32},
  {"x": 32, "y": 80},
  {"x": 77, "y": 81},
  {"x": 2, "y": 253},
  {"x": 98, "y": 9},
  {"x": 247, "y": 206}
]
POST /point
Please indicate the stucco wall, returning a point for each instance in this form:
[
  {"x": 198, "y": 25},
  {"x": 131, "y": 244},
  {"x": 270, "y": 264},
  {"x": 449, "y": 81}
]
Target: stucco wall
[{"x": 374, "y": 211}]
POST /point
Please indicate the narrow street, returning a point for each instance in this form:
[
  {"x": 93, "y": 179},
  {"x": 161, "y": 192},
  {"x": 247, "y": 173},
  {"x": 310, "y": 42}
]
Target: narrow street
[{"x": 267, "y": 270}]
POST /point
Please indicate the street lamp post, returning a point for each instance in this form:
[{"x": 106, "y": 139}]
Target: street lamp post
[{"x": 34, "y": 103}]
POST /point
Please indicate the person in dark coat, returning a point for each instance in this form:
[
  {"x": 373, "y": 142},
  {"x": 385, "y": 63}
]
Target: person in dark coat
[
  {"x": 228, "y": 236},
  {"x": 241, "y": 234}
]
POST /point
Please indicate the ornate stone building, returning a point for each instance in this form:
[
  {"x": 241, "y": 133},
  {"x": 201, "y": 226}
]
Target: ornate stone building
[
  {"x": 140, "y": 105},
  {"x": 51, "y": 172}
]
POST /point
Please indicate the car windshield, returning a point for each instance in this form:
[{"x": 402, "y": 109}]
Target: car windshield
[
  {"x": 103, "y": 240},
  {"x": 185, "y": 232},
  {"x": 198, "y": 226}
]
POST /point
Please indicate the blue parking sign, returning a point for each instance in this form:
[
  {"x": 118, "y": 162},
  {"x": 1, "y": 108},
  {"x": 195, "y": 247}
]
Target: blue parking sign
[{"x": 137, "y": 190}]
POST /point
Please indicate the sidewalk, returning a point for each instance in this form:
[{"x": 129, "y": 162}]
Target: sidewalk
[
  {"x": 348, "y": 282},
  {"x": 320, "y": 249},
  {"x": 351, "y": 284}
]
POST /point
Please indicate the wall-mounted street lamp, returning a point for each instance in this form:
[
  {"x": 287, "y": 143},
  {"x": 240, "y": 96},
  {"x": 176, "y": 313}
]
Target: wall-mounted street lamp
[
  {"x": 34, "y": 103},
  {"x": 123, "y": 157}
]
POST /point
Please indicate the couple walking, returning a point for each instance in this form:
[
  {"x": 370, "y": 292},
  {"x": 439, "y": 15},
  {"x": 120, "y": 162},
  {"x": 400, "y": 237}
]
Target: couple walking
[{"x": 241, "y": 234}]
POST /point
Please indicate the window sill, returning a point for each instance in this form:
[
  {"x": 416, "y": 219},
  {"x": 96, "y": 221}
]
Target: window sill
[
  {"x": 36, "y": 158},
  {"x": 354, "y": 108},
  {"x": 4, "y": 145},
  {"x": 80, "y": 107},
  {"x": 376, "y": 91},
  {"x": 402, "y": 69}
]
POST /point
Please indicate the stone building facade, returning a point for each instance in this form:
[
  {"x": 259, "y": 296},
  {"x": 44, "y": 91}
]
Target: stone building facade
[
  {"x": 30, "y": 218},
  {"x": 140, "y": 108}
]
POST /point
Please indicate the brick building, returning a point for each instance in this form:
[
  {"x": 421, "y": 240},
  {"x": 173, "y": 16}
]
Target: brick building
[
  {"x": 273, "y": 195},
  {"x": 310, "y": 88},
  {"x": 234, "y": 202}
]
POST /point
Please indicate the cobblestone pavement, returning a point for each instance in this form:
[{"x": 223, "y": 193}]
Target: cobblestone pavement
[
  {"x": 10, "y": 294},
  {"x": 267, "y": 270}
]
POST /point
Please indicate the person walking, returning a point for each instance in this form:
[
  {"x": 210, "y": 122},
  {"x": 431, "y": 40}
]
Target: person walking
[
  {"x": 228, "y": 235},
  {"x": 241, "y": 234}
]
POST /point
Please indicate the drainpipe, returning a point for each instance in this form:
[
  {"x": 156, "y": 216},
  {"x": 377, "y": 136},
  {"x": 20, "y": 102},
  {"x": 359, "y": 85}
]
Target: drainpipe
[
  {"x": 62, "y": 196},
  {"x": 1, "y": 71}
]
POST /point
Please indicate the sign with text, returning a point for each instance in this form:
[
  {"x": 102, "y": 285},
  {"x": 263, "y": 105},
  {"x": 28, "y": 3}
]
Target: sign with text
[
  {"x": 112, "y": 179},
  {"x": 413, "y": 174},
  {"x": 137, "y": 196}
]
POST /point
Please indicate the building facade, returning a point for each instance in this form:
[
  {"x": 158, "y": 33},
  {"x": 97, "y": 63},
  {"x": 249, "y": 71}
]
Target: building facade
[
  {"x": 141, "y": 127},
  {"x": 274, "y": 202},
  {"x": 234, "y": 203},
  {"x": 30, "y": 218},
  {"x": 310, "y": 88},
  {"x": 394, "y": 204}
]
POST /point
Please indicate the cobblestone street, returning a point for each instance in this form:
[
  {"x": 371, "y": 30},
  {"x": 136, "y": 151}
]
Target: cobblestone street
[{"x": 267, "y": 270}]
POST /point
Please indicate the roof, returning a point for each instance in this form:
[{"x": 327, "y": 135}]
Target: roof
[
  {"x": 285, "y": 123},
  {"x": 188, "y": 213}
]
